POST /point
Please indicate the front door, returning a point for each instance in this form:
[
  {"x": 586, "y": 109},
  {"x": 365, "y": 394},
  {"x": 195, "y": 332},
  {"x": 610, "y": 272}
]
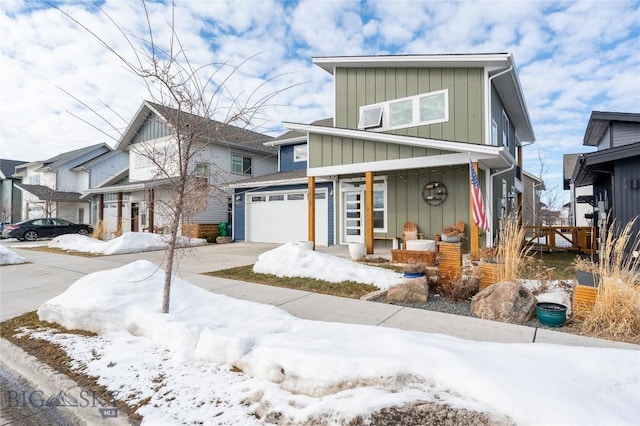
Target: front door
[{"x": 353, "y": 216}]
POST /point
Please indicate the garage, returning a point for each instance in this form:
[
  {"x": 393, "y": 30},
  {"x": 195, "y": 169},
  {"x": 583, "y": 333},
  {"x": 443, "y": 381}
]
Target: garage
[{"x": 281, "y": 217}]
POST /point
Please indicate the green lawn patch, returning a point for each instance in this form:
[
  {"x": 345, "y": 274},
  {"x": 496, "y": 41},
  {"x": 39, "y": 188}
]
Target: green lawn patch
[{"x": 350, "y": 289}]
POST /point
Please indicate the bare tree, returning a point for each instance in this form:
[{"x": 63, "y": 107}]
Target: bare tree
[
  {"x": 552, "y": 194},
  {"x": 191, "y": 97}
]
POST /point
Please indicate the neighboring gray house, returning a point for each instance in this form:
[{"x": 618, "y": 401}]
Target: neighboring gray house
[
  {"x": 132, "y": 196},
  {"x": 51, "y": 188},
  {"x": 614, "y": 169},
  {"x": 100, "y": 171},
  {"x": 531, "y": 207},
  {"x": 10, "y": 196}
]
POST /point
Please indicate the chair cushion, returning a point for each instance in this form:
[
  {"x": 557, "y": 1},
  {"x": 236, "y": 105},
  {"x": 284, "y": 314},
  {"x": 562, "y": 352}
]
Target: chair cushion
[{"x": 410, "y": 235}]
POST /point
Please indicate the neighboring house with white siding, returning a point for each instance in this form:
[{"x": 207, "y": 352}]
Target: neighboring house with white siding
[
  {"x": 51, "y": 188},
  {"x": 10, "y": 195},
  {"x": 133, "y": 196}
]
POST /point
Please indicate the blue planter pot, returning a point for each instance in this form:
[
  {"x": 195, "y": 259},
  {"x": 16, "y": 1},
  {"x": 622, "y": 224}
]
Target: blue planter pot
[
  {"x": 412, "y": 274},
  {"x": 551, "y": 314}
]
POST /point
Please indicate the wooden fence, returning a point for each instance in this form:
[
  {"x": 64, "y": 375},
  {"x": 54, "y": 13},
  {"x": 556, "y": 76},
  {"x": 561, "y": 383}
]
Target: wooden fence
[{"x": 552, "y": 238}]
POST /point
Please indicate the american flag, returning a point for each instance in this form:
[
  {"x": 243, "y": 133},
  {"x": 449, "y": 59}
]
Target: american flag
[{"x": 477, "y": 206}]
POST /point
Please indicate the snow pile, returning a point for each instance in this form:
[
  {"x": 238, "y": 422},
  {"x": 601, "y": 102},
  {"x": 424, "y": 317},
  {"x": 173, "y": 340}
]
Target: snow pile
[
  {"x": 129, "y": 242},
  {"x": 8, "y": 257},
  {"x": 292, "y": 260},
  {"x": 305, "y": 368}
]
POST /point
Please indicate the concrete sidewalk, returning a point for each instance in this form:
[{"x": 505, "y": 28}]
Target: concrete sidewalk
[{"x": 24, "y": 287}]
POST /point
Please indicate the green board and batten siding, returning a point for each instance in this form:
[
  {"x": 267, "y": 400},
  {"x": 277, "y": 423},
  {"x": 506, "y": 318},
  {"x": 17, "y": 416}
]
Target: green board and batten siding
[
  {"x": 356, "y": 87},
  {"x": 405, "y": 203}
]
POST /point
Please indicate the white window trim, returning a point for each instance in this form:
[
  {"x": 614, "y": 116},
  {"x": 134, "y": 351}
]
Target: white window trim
[
  {"x": 243, "y": 157},
  {"x": 505, "y": 129},
  {"x": 296, "y": 154},
  {"x": 384, "y": 123}
]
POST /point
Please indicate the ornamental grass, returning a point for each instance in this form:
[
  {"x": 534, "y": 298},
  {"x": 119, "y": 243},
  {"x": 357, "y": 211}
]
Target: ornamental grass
[
  {"x": 616, "y": 312},
  {"x": 512, "y": 252}
]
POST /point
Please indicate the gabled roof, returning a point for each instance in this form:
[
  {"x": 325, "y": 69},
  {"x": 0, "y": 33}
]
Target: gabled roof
[
  {"x": 599, "y": 123},
  {"x": 44, "y": 193},
  {"x": 497, "y": 64},
  {"x": 295, "y": 136},
  {"x": 66, "y": 157},
  {"x": 221, "y": 133},
  {"x": 102, "y": 157},
  {"x": 8, "y": 168}
]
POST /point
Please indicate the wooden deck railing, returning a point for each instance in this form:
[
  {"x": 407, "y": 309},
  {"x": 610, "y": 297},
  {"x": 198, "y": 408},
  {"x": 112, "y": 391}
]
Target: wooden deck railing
[{"x": 579, "y": 238}]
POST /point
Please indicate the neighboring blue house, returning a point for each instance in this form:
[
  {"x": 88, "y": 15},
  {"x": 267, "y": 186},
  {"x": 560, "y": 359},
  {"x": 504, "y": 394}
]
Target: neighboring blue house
[{"x": 274, "y": 208}]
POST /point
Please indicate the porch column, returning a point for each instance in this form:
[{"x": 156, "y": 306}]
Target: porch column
[
  {"x": 474, "y": 231},
  {"x": 101, "y": 207},
  {"x": 519, "y": 196},
  {"x": 311, "y": 221},
  {"x": 368, "y": 205},
  {"x": 119, "y": 213},
  {"x": 150, "y": 219}
]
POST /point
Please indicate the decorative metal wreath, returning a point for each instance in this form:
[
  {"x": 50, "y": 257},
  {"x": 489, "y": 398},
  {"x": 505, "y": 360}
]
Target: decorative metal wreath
[{"x": 434, "y": 193}]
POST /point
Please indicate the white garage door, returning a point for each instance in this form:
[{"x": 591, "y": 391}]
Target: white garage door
[{"x": 281, "y": 217}]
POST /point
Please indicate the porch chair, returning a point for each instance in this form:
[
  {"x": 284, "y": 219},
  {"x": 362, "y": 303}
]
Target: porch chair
[{"x": 409, "y": 232}]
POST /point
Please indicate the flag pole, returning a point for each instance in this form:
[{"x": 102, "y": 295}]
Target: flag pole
[{"x": 474, "y": 231}]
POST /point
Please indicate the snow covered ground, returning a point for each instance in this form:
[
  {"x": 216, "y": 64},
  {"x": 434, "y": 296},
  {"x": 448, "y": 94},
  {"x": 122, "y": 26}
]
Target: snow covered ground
[
  {"x": 9, "y": 257},
  {"x": 218, "y": 360}
]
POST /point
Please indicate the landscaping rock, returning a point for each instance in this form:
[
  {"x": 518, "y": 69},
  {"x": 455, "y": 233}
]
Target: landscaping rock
[
  {"x": 413, "y": 290},
  {"x": 506, "y": 301}
]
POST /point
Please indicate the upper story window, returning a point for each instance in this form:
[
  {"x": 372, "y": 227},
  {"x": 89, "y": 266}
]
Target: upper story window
[
  {"x": 34, "y": 180},
  {"x": 418, "y": 110},
  {"x": 240, "y": 164},
  {"x": 202, "y": 171},
  {"x": 300, "y": 153},
  {"x": 505, "y": 129}
]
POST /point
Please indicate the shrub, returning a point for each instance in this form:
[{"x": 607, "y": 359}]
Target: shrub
[
  {"x": 99, "y": 230},
  {"x": 461, "y": 289},
  {"x": 616, "y": 312}
]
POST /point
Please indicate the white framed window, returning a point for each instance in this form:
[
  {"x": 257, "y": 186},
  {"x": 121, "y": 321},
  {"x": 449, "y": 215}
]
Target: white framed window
[
  {"x": 494, "y": 132},
  {"x": 505, "y": 129},
  {"x": 418, "y": 110},
  {"x": 240, "y": 164},
  {"x": 300, "y": 153},
  {"x": 202, "y": 171},
  {"x": 370, "y": 117}
]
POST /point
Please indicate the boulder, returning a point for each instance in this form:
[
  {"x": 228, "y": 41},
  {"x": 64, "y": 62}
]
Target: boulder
[
  {"x": 507, "y": 301},
  {"x": 413, "y": 290}
]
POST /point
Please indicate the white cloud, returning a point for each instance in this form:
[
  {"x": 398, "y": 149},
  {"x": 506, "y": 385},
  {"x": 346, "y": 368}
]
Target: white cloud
[{"x": 570, "y": 57}]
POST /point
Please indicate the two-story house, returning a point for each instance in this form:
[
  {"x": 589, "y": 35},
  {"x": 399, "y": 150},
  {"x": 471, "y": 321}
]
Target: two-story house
[
  {"x": 405, "y": 131},
  {"x": 10, "y": 195},
  {"x": 614, "y": 169},
  {"x": 131, "y": 198},
  {"x": 51, "y": 188}
]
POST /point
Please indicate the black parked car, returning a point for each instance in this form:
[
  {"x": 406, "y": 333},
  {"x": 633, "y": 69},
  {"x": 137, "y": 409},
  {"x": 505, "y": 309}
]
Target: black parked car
[{"x": 33, "y": 229}]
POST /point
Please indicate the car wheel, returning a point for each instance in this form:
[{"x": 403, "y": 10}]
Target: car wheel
[
  {"x": 31, "y": 235},
  {"x": 83, "y": 231}
]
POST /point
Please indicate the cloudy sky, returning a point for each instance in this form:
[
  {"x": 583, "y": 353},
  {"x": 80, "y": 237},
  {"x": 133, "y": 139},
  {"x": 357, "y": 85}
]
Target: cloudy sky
[{"x": 59, "y": 85}]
